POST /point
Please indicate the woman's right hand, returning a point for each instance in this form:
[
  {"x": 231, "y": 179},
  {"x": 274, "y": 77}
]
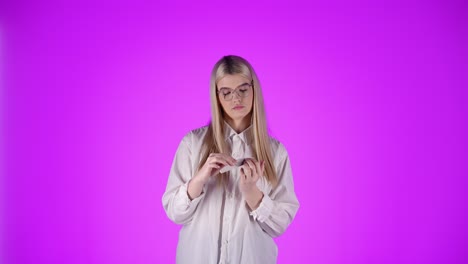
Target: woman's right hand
[{"x": 214, "y": 163}]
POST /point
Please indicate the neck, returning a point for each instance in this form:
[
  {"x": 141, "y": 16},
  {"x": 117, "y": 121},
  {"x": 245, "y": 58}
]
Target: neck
[{"x": 239, "y": 125}]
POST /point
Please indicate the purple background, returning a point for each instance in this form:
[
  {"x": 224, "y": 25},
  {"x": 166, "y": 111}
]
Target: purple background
[{"x": 370, "y": 99}]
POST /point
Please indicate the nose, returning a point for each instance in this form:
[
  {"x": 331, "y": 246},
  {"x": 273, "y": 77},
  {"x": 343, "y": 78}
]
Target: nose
[{"x": 235, "y": 95}]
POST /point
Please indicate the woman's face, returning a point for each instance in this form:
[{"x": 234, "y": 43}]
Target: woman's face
[{"x": 235, "y": 93}]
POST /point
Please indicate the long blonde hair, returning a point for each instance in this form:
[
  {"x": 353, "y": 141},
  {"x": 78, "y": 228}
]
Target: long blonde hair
[{"x": 214, "y": 141}]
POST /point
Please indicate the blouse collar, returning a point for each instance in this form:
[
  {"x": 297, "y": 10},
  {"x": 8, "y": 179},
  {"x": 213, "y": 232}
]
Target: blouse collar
[{"x": 246, "y": 136}]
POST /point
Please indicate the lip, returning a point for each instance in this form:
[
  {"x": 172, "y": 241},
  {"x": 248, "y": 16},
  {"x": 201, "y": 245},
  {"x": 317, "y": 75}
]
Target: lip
[{"x": 238, "y": 107}]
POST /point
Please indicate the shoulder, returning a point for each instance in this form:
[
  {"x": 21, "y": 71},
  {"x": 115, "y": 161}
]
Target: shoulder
[
  {"x": 195, "y": 136},
  {"x": 277, "y": 148}
]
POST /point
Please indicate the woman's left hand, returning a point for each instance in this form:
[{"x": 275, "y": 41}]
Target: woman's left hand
[{"x": 250, "y": 172}]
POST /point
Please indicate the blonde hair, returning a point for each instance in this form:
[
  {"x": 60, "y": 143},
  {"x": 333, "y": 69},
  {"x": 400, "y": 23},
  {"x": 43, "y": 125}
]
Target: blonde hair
[{"x": 214, "y": 141}]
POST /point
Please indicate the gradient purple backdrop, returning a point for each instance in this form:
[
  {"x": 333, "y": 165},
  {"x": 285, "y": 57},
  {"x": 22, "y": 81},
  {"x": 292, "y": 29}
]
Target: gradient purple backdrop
[{"x": 370, "y": 99}]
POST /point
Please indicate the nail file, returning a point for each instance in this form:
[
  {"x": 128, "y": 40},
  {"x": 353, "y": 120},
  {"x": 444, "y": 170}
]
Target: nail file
[{"x": 239, "y": 163}]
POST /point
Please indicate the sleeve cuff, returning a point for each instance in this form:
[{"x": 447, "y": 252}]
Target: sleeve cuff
[
  {"x": 185, "y": 197},
  {"x": 264, "y": 210}
]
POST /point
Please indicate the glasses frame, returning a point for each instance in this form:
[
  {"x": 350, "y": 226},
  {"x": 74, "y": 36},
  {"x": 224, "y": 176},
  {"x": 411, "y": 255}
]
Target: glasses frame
[{"x": 236, "y": 91}]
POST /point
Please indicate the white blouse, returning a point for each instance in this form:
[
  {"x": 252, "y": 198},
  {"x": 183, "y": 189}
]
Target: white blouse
[{"x": 218, "y": 226}]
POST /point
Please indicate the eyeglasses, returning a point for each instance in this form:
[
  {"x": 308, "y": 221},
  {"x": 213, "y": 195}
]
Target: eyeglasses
[{"x": 242, "y": 91}]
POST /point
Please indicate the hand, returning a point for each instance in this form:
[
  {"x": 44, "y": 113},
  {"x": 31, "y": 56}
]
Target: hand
[
  {"x": 250, "y": 172},
  {"x": 214, "y": 163}
]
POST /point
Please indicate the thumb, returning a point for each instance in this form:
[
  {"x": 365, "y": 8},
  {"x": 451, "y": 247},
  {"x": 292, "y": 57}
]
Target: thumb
[{"x": 215, "y": 171}]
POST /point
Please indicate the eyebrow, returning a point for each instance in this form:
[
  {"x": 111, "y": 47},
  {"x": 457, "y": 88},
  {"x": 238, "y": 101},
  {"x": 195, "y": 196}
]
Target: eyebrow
[{"x": 236, "y": 87}]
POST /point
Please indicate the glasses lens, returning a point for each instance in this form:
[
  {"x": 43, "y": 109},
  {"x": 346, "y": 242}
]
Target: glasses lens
[
  {"x": 241, "y": 92},
  {"x": 244, "y": 91}
]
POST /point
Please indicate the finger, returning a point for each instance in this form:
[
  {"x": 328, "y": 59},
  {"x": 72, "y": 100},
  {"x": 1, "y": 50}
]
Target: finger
[
  {"x": 242, "y": 175},
  {"x": 252, "y": 166},
  {"x": 242, "y": 171},
  {"x": 215, "y": 165},
  {"x": 220, "y": 160},
  {"x": 247, "y": 171},
  {"x": 252, "y": 160},
  {"x": 215, "y": 172},
  {"x": 229, "y": 160},
  {"x": 257, "y": 170},
  {"x": 258, "y": 166},
  {"x": 214, "y": 168}
]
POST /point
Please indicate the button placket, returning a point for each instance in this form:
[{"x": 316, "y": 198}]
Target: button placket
[
  {"x": 236, "y": 146},
  {"x": 226, "y": 227},
  {"x": 237, "y": 152}
]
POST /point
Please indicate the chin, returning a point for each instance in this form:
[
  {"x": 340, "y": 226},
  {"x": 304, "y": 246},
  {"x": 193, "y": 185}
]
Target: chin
[{"x": 238, "y": 116}]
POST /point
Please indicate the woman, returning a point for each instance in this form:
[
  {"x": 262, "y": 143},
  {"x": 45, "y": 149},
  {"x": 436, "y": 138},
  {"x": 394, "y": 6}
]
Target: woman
[{"x": 232, "y": 216}]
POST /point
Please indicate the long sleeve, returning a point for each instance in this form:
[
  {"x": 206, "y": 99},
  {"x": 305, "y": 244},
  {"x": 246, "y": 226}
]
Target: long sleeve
[
  {"x": 176, "y": 202},
  {"x": 218, "y": 226},
  {"x": 278, "y": 208}
]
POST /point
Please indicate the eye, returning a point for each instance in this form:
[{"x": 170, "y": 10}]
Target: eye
[
  {"x": 225, "y": 91},
  {"x": 243, "y": 90}
]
